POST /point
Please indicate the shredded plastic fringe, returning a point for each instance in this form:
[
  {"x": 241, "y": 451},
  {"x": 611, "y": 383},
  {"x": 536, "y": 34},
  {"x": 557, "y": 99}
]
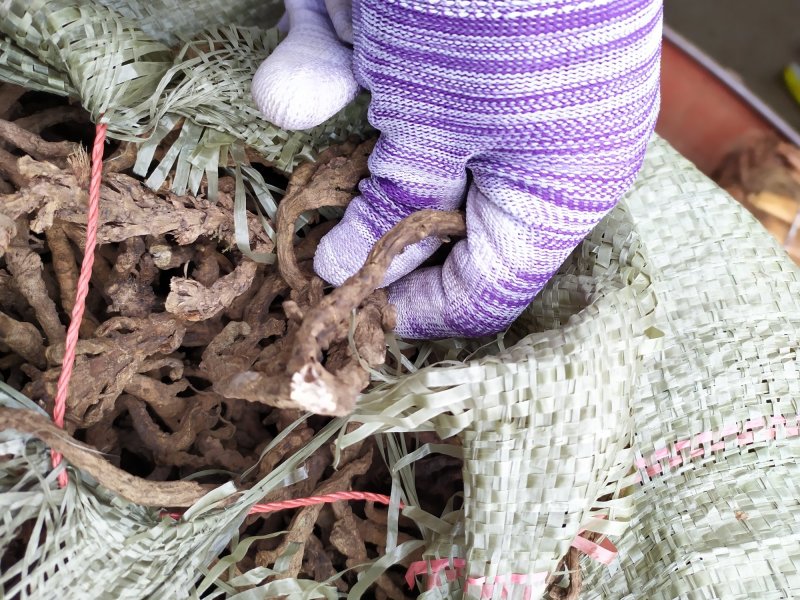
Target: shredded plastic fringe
[{"x": 114, "y": 57}]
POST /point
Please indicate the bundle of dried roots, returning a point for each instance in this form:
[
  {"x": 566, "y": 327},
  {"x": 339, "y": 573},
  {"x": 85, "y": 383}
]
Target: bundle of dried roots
[{"x": 191, "y": 356}]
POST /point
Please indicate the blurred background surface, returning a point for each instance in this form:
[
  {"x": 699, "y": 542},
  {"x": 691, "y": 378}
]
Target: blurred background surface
[{"x": 726, "y": 104}]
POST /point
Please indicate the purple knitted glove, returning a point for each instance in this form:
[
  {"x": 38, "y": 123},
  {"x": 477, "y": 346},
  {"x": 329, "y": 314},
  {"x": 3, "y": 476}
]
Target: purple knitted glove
[{"x": 548, "y": 104}]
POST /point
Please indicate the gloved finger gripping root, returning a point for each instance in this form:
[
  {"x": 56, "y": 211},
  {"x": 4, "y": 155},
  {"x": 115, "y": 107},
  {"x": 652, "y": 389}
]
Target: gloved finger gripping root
[
  {"x": 324, "y": 323},
  {"x": 314, "y": 367}
]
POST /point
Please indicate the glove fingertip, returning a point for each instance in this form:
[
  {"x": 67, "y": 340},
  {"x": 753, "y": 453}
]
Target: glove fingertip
[
  {"x": 334, "y": 261},
  {"x": 297, "y": 96}
]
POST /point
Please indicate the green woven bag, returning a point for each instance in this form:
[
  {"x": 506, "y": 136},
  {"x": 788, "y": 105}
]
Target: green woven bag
[{"x": 649, "y": 394}]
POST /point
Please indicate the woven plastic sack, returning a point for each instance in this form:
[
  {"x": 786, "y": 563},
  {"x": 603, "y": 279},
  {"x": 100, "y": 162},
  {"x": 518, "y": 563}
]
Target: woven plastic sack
[
  {"x": 681, "y": 313},
  {"x": 673, "y": 329},
  {"x": 717, "y": 442},
  {"x": 649, "y": 393}
]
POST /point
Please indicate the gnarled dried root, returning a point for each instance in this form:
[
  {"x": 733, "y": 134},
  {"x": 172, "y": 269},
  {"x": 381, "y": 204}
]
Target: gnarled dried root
[
  {"x": 314, "y": 368},
  {"x": 23, "y": 339},
  {"x": 331, "y": 181},
  {"x": 32, "y": 144},
  {"x": 191, "y": 300},
  {"x": 135, "y": 489},
  {"x": 26, "y": 268}
]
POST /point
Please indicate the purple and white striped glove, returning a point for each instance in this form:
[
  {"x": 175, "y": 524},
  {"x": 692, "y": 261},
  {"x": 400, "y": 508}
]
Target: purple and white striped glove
[{"x": 549, "y": 105}]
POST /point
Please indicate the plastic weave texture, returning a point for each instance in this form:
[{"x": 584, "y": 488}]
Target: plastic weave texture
[{"x": 677, "y": 322}]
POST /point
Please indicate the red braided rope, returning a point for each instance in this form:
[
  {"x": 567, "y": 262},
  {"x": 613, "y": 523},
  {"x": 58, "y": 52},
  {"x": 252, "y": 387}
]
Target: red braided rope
[
  {"x": 270, "y": 507},
  {"x": 67, "y": 363},
  {"x": 312, "y": 500}
]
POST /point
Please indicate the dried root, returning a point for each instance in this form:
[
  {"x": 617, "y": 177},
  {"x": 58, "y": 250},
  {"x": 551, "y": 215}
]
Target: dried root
[
  {"x": 23, "y": 339},
  {"x": 763, "y": 173},
  {"x": 331, "y": 181},
  {"x": 66, "y": 273},
  {"x": 192, "y": 301},
  {"x": 146, "y": 493},
  {"x": 130, "y": 286},
  {"x": 33, "y": 145},
  {"x": 191, "y": 357},
  {"x": 323, "y": 324},
  {"x": 26, "y": 268},
  {"x": 311, "y": 383}
]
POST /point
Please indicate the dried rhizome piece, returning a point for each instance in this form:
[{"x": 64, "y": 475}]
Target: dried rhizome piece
[{"x": 192, "y": 357}]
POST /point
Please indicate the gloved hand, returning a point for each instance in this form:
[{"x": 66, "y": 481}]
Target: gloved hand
[
  {"x": 549, "y": 107},
  {"x": 309, "y": 77}
]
